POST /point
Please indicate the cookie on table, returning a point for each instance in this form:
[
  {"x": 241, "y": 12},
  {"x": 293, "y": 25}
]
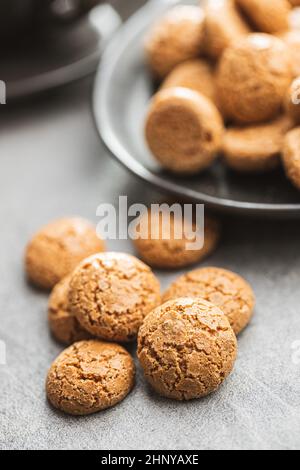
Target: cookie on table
[
  {"x": 223, "y": 26},
  {"x": 253, "y": 78},
  {"x": 292, "y": 104},
  {"x": 256, "y": 148},
  {"x": 168, "y": 252},
  {"x": 111, "y": 293},
  {"x": 63, "y": 324},
  {"x": 183, "y": 130},
  {"x": 267, "y": 16},
  {"x": 291, "y": 156},
  {"x": 90, "y": 376},
  {"x": 57, "y": 248},
  {"x": 186, "y": 348},
  {"x": 175, "y": 38},
  {"x": 225, "y": 289}
]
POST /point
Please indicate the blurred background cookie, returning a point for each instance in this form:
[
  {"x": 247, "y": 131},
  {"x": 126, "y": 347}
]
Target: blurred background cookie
[
  {"x": 291, "y": 156},
  {"x": 267, "y": 16},
  {"x": 292, "y": 104}
]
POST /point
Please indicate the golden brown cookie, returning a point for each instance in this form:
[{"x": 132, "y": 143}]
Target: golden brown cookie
[
  {"x": 291, "y": 156},
  {"x": 63, "y": 325},
  {"x": 225, "y": 289},
  {"x": 267, "y": 16},
  {"x": 253, "y": 78},
  {"x": 223, "y": 26},
  {"x": 184, "y": 130},
  {"x": 57, "y": 248},
  {"x": 168, "y": 252},
  {"x": 197, "y": 74},
  {"x": 292, "y": 104},
  {"x": 111, "y": 293},
  {"x": 292, "y": 40},
  {"x": 256, "y": 148},
  {"x": 187, "y": 348},
  {"x": 176, "y": 37},
  {"x": 90, "y": 376}
]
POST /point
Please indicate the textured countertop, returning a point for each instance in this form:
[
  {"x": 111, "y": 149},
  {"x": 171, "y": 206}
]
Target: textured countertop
[{"x": 52, "y": 164}]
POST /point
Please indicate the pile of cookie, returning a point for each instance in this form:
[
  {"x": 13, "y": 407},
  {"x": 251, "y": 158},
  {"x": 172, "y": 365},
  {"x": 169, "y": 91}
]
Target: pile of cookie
[
  {"x": 186, "y": 338},
  {"x": 229, "y": 85}
]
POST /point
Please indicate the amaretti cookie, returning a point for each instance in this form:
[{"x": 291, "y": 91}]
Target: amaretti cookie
[
  {"x": 292, "y": 40},
  {"x": 225, "y": 289},
  {"x": 184, "y": 130},
  {"x": 90, "y": 376},
  {"x": 223, "y": 26},
  {"x": 256, "y": 148},
  {"x": 267, "y": 16},
  {"x": 291, "y": 156},
  {"x": 63, "y": 324},
  {"x": 111, "y": 293},
  {"x": 176, "y": 37},
  {"x": 57, "y": 248},
  {"x": 292, "y": 104},
  {"x": 187, "y": 348},
  {"x": 168, "y": 252},
  {"x": 253, "y": 78},
  {"x": 197, "y": 74}
]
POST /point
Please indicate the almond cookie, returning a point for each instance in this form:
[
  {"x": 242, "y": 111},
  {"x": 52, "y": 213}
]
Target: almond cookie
[
  {"x": 197, "y": 74},
  {"x": 253, "y": 78},
  {"x": 176, "y": 37},
  {"x": 293, "y": 101},
  {"x": 267, "y": 16},
  {"x": 57, "y": 248},
  {"x": 256, "y": 148},
  {"x": 292, "y": 40},
  {"x": 225, "y": 289},
  {"x": 223, "y": 26},
  {"x": 90, "y": 376},
  {"x": 187, "y": 348},
  {"x": 291, "y": 156},
  {"x": 111, "y": 293},
  {"x": 168, "y": 252},
  {"x": 184, "y": 130},
  {"x": 63, "y": 325}
]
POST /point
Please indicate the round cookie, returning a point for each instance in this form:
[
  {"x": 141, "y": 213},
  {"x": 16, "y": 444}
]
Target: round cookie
[
  {"x": 267, "y": 16},
  {"x": 223, "y": 26},
  {"x": 111, "y": 293},
  {"x": 184, "y": 130},
  {"x": 57, "y": 248},
  {"x": 256, "y": 148},
  {"x": 176, "y": 37},
  {"x": 186, "y": 348},
  {"x": 293, "y": 101},
  {"x": 90, "y": 376},
  {"x": 63, "y": 324},
  {"x": 292, "y": 40},
  {"x": 291, "y": 156},
  {"x": 168, "y": 252},
  {"x": 225, "y": 289},
  {"x": 253, "y": 78},
  {"x": 197, "y": 74}
]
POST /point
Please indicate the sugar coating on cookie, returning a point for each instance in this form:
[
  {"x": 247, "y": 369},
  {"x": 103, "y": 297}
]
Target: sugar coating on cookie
[
  {"x": 223, "y": 26},
  {"x": 159, "y": 244},
  {"x": 63, "y": 324},
  {"x": 256, "y": 148},
  {"x": 291, "y": 156},
  {"x": 267, "y": 16},
  {"x": 57, "y": 248},
  {"x": 292, "y": 104},
  {"x": 197, "y": 74},
  {"x": 90, "y": 376},
  {"x": 253, "y": 78},
  {"x": 184, "y": 130},
  {"x": 176, "y": 37},
  {"x": 111, "y": 293},
  {"x": 225, "y": 289},
  {"x": 187, "y": 348}
]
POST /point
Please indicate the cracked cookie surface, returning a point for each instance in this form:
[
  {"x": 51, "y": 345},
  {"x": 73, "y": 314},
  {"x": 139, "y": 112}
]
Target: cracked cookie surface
[
  {"x": 187, "y": 348},
  {"x": 57, "y": 248},
  {"x": 111, "y": 293},
  {"x": 90, "y": 376},
  {"x": 225, "y": 289}
]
